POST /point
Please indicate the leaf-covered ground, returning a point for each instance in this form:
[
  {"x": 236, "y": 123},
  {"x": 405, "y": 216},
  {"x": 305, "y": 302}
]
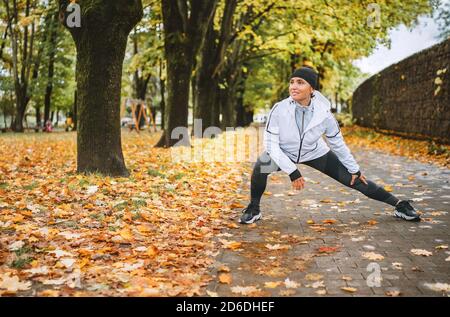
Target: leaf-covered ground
[
  {"x": 164, "y": 230},
  {"x": 73, "y": 235}
]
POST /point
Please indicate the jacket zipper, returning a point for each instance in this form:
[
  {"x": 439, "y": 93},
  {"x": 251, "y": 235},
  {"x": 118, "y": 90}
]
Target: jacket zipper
[{"x": 301, "y": 136}]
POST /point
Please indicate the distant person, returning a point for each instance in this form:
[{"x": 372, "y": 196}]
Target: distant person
[
  {"x": 294, "y": 134},
  {"x": 69, "y": 124},
  {"x": 48, "y": 126}
]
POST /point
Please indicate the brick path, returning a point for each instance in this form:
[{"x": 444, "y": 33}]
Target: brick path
[{"x": 292, "y": 242}]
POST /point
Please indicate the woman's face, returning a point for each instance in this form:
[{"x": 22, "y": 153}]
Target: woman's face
[{"x": 300, "y": 89}]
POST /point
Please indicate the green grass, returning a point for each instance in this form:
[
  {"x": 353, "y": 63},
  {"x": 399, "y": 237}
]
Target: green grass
[
  {"x": 121, "y": 206},
  {"x": 83, "y": 183},
  {"x": 437, "y": 149},
  {"x": 23, "y": 250},
  {"x": 32, "y": 186},
  {"x": 179, "y": 176},
  {"x": 155, "y": 173},
  {"x": 70, "y": 224},
  {"x": 21, "y": 263},
  {"x": 139, "y": 203},
  {"x": 98, "y": 216},
  {"x": 113, "y": 228},
  {"x": 136, "y": 215}
]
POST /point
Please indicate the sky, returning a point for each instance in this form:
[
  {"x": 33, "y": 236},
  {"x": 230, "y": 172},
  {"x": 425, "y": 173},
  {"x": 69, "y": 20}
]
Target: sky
[{"x": 404, "y": 43}]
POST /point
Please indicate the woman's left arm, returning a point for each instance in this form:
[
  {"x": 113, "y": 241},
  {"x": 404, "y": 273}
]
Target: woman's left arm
[{"x": 336, "y": 141}]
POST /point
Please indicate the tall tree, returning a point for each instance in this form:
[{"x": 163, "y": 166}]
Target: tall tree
[
  {"x": 22, "y": 34},
  {"x": 144, "y": 75},
  {"x": 211, "y": 59},
  {"x": 185, "y": 26},
  {"x": 141, "y": 77},
  {"x": 101, "y": 42},
  {"x": 233, "y": 72},
  {"x": 51, "y": 53},
  {"x": 217, "y": 72}
]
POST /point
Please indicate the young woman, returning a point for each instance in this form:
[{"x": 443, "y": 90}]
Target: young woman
[{"x": 294, "y": 134}]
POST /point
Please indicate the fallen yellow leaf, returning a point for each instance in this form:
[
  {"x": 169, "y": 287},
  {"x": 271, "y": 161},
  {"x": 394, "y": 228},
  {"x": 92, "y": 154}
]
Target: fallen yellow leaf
[
  {"x": 272, "y": 284},
  {"x": 144, "y": 229},
  {"x": 126, "y": 234},
  {"x": 373, "y": 256},
  {"x": 225, "y": 278},
  {"x": 349, "y": 289},
  {"x": 152, "y": 251},
  {"x": 392, "y": 293},
  {"x": 232, "y": 225},
  {"x": 236, "y": 205},
  {"x": 83, "y": 263}
]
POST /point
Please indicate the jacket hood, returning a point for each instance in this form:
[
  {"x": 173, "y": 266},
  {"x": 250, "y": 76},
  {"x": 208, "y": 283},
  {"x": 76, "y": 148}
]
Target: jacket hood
[{"x": 321, "y": 100}]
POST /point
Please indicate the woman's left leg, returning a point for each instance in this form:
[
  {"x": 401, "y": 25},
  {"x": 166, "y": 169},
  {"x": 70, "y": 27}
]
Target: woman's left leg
[{"x": 331, "y": 166}]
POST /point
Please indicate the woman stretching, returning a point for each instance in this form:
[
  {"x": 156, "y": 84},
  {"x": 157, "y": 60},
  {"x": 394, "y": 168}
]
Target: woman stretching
[{"x": 294, "y": 134}]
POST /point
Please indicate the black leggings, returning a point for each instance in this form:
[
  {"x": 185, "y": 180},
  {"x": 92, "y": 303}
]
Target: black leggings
[{"x": 328, "y": 164}]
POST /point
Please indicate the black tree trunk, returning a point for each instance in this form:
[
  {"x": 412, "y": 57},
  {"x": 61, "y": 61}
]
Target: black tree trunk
[
  {"x": 179, "y": 70},
  {"x": 185, "y": 25},
  {"x": 38, "y": 117},
  {"x": 206, "y": 82},
  {"x": 21, "y": 106},
  {"x": 49, "y": 88},
  {"x": 53, "y": 30},
  {"x": 211, "y": 63},
  {"x": 140, "y": 82},
  {"x": 101, "y": 42}
]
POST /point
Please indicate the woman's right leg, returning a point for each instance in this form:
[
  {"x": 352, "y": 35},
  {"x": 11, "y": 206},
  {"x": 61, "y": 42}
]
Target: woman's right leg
[{"x": 263, "y": 167}]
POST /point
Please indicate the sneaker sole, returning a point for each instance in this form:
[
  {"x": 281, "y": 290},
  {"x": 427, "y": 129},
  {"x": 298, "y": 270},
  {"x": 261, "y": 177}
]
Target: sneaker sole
[
  {"x": 255, "y": 218},
  {"x": 405, "y": 217}
]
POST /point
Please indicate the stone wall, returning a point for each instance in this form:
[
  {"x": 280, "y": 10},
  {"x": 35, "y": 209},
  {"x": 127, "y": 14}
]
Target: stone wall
[{"x": 411, "y": 96}]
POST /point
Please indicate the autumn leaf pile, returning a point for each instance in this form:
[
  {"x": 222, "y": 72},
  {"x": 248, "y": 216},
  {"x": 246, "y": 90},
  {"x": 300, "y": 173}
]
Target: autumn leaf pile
[
  {"x": 424, "y": 151},
  {"x": 152, "y": 234}
]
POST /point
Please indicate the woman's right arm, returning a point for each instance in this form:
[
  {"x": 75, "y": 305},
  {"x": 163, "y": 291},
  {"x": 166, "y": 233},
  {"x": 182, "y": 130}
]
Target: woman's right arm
[{"x": 272, "y": 147}]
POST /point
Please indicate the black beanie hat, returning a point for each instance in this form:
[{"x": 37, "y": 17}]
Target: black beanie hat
[{"x": 308, "y": 74}]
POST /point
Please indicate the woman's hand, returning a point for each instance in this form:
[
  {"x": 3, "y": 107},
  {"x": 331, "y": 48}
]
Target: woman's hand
[
  {"x": 299, "y": 183},
  {"x": 356, "y": 176}
]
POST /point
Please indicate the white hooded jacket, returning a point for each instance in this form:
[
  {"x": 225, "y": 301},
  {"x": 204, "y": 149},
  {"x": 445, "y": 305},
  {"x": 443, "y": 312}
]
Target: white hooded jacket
[{"x": 285, "y": 145}]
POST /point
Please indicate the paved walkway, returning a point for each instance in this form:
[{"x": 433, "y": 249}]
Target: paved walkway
[{"x": 329, "y": 240}]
